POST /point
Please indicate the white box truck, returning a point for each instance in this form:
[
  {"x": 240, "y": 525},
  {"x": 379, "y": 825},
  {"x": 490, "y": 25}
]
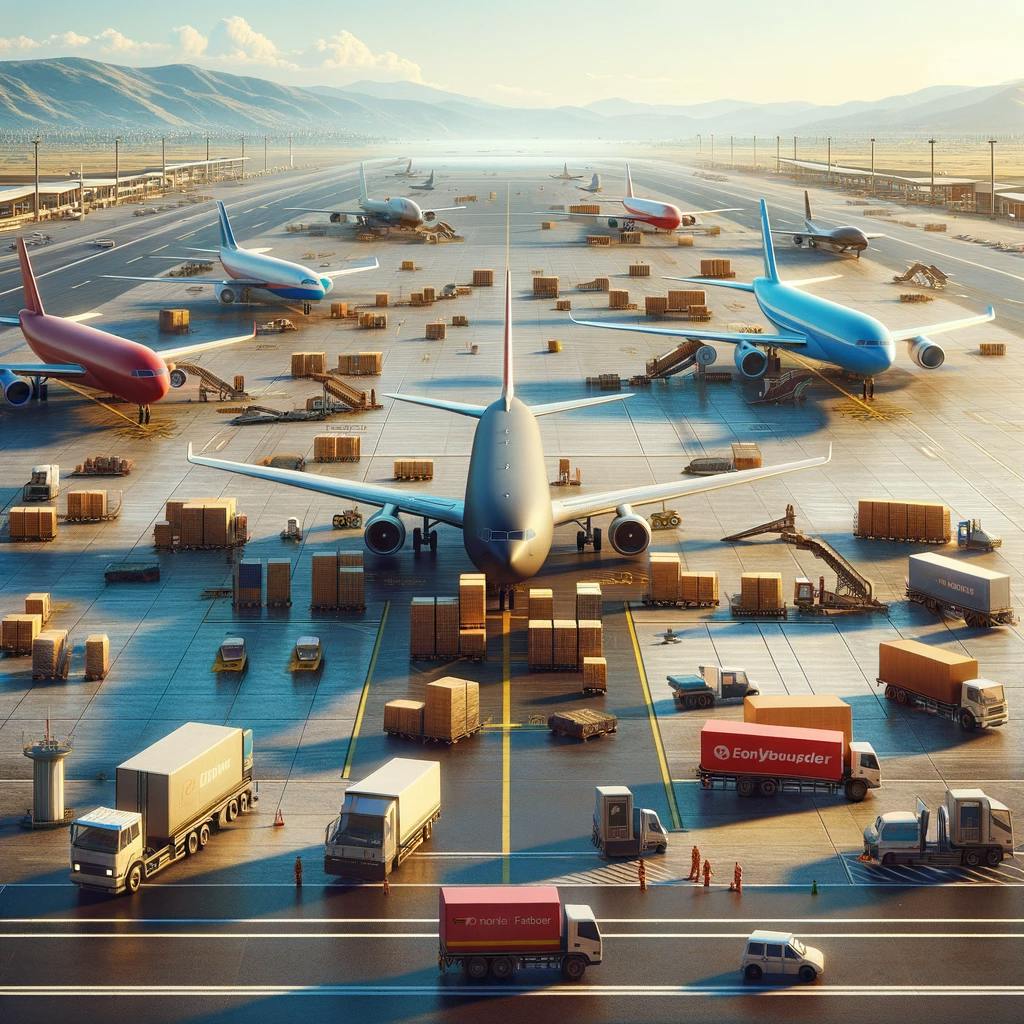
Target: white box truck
[
  {"x": 622, "y": 830},
  {"x": 383, "y": 819},
  {"x": 168, "y": 797},
  {"x": 949, "y": 586}
]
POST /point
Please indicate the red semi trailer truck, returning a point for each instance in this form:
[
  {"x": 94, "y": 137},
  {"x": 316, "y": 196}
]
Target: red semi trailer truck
[
  {"x": 496, "y": 929},
  {"x": 768, "y": 758}
]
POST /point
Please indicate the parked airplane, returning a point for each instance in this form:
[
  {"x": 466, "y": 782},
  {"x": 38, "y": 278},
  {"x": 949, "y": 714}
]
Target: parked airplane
[
  {"x": 565, "y": 175},
  {"x": 658, "y": 215},
  {"x": 253, "y": 268},
  {"x": 507, "y": 515},
  {"x": 397, "y": 212},
  {"x": 842, "y": 239},
  {"x": 407, "y": 173},
  {"x": 813, "y": 327},
  {"x": 594, "y": 186},
  {"x": 426, "y": 186},
  {"x": 70, "y": 350}
]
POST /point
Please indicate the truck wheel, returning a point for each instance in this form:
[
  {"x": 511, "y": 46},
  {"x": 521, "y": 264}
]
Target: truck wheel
[
  {"x": 768, "y": 787},
  {"x": 581, "y": 540},
  {"x": 204, "y": 836},
  {"x": 890, "y": 692},
  {"x": 856, "y": 790},
  {"x": 231, "y": 812},
  {"x": 476, "y": 968},
  {"x": 192, "y": 844},
  {"x": 134, "y": 879},
  {"x": 967, "y": 720},
  {"x": 753, "y": 973},
  {"x": 972, "y": 858},
  {"x": 597, "y": 539},
  {"x": 502, "y": 968},
  {"x": 690, "y": 703},
  {"x": 745, "y": 787},
  {"x": 901, "y": 696},
  {"x": 808, "y": 974},
  {"x": 889, "y": 860},
  {"x": 573, "y": 968},
  {"x": 994, "y": 856},
  {"x": 705, "y": 700},
  {"x": 243, "y": 803}
]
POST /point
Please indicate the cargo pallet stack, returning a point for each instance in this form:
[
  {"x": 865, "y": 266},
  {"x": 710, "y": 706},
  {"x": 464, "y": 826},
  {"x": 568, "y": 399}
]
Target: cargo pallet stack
[
  {"x": 583, "y": 724},
  {"x": 760, "y": 597},
  {"x": 473, "y": 616},
  {"x": 362, "y": 364},
  {"x": 279, "y": 583},
  {"x": 248, "y": 583},
  {"x": 450, "y": 627},
  {"x": 202, "y": 524},
  {"x": 51, "y": 655},
  {"x": 924, "y": 522},
  {"x": 450, "y": 712},
  {"x": 746, "y": 455},
  {"x": 305, "y": 364},
  {"x": 104, "y": 465},
  {"x": 568, "y": 645},
  {"x": 31, "y": 524},
  {"x": 671, "y": 587},
  {"x": 545, "y": 287},
  {"x": 414, "y": 469},
  {"x": 338, "y": 582},
  {"x": 97, "y": 656},
  {"x": 90, "y": 507},
  {"x": 39, "y": 603},
  {"x": 337, "y": 448},
  {"x": 19, "y": 631}
]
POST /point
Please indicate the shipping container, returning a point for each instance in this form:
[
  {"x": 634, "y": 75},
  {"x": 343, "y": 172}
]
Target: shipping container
[
  {"x": 503, "y": 918},
  {"x": 803, "y": 711},
  {"x": 921, "y": 668},
  {"x": 959, "y": 585},
  {"x": 742, "y": 748}
]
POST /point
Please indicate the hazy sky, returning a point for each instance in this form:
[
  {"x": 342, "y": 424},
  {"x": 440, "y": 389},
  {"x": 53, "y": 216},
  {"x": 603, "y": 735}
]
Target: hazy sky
[{"x": 539, "y": 52}]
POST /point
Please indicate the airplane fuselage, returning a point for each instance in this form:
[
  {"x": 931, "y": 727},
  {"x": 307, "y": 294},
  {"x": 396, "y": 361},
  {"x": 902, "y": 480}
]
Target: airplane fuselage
[
  {"x": 844, "y": 238},
  {"x": 283, "y": 278},
  {"x": 661, "y": 216},
  {"x": 396, "y": 211},
  {"x": 507, "y": 523},
  {"x": 835, "y": 334},
  {"x": 116, "y": 365}
]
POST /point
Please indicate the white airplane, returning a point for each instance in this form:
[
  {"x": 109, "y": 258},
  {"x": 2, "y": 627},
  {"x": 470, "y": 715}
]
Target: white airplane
[
  {"x": 252, "y": 268},
  {"x": 407, "y": 173},
  {"x": 842, "y": 239},
  {"x": 392, "y": 212},
  {"x": 565, "y": 175},
  {"x": 594, "y": 186},
  {"x": 426, "y": 186}
]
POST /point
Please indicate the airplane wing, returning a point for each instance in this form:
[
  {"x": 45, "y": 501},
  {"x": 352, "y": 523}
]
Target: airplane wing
[
  {"x": 311, "y": 209},
  {"x": 443, "y": 209},
  {"x": 10, "y": 321},
  {"x": 787, "y": 340},
  {"x": 357, "y": 269},
  {"x": 445, "y": 510},
  {"x": 906, "y": 333},
  {"x": 876, "y": 234},
  {"x": 215, "y": 281},
  {"x": 170, "y": 354},
  {"x": 44, "y": 369},
  {"x": 459, "y": 408},
  {"x": 568, "y": 510},
  {"x": 720, "y": 209}
]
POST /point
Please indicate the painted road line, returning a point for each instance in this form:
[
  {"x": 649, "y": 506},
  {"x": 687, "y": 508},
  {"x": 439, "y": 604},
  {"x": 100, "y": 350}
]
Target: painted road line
[
  {"x": 476, "y": 992},
  {"x": 360, "y": 711},
  {"x": 80, "y": 284},
  {"x": 506, "y": 745},
  {"x": 703, "y": 936},
  {"x": 666, "y": 777},
  {"x": 135, "y": 259}
]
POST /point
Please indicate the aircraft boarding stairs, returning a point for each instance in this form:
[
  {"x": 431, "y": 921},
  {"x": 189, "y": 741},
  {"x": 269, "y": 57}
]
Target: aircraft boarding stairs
[
  {"x": 209, "y": 381},
  {"x": 682, "y": 357}
]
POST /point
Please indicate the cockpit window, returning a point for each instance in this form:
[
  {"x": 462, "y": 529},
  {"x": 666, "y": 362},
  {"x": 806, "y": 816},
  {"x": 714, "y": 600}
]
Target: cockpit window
[
  {"x": 309, "y": 280},
  {"x": 148, "y": 373},
  {"x": 507, "y": 535},
  {"x": 869, "y": 343}
]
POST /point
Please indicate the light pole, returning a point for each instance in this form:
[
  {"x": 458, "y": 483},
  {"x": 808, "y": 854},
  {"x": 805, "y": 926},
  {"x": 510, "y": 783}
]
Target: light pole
[
  {"x": 291, "y": 161},
  {"x": 732, "y": 157},
  {"x": 828, "y": 161},
  {"x": 163, "y": 163},
  {"x": 117, "y": 170},
  {"x": 35, "y": 143},
  {"x": 712, "y": 149},
  {"x": 242, "y": 173},
  {"x": 755, "y": 154},
  {"x": 700, "y": 146},
  {"x": 931, "y": 142},
  {"x": 872, "y": 165},
  {"x": 992, "y": 178},
  {"x": 265, "y": 165},
  {"x": 794, "y": 147},
  {"x": 778, "y": 154}
]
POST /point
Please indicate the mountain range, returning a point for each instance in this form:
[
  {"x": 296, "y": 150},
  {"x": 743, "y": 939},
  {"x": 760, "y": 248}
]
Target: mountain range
[{"x": 74, "y": 94}]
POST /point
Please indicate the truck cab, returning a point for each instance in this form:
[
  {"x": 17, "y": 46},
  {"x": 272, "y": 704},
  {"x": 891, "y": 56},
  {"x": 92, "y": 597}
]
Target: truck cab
[
  {"x": 983, "y": 704},
  {"x": 104, "y": 844},
  {"x": 864, "y": 764},
  {"x": 714, "y": 682},
  {"x": 622, "y": 830},
  {"x": 43, "y": 485},
  {"x": 582, "y": 935},
  {"x": 363, "y": 836}
]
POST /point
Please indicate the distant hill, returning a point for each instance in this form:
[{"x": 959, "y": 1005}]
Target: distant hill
[{"x": 71, "y": 93}]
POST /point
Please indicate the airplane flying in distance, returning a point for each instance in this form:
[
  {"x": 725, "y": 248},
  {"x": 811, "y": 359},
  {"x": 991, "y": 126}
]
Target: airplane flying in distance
[
  {"x": 392, "y": 212},
  {"x": 407, "y": 173},
  {"x": 810, "y": 326},
  {"x": 565, "y": 175},
  {"x": 425, "y": 186},
  {"x": 842, "y": 239},
  {"x": 594, "y": 186},
  {"x": 249, "y": 269},
  {"x": 506, "y": 514},
  {"x": 652, "y": 213},
  {"x": 95, "y": 359}
]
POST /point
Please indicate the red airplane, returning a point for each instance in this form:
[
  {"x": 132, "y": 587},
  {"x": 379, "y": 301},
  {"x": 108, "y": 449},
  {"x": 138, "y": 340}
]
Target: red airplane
[{"x": 95, "y": 359}]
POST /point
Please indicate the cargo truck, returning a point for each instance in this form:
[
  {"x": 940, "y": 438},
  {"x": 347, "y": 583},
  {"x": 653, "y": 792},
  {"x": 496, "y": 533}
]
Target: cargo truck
[
  {"x": 168, "y": 798},
  {"x": 942, "y": 682},
  {"x": 622, "y": 830},
  {"x": 767, "y": 759},
  {"x": 948, "y": 586},
  {"x": 713, "y": 684},
  {"x": 43, "y": 485},
  {"x": 970, "y": 829},
  {"x": 384, "y": 819},
  {"x": 498, "y": 929}
]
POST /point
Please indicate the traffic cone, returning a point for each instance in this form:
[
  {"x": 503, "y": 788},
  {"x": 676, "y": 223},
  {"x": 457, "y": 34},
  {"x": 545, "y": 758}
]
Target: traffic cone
[{"x": 278, "y": 819}]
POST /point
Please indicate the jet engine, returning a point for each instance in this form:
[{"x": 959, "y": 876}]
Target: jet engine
[
  {"x": 227, "y": 296},
  {"x": 178, "y": 378},
  {"x": 750, "y": 360},
  {"x": 687, "y": 220},
  {"x": 926, "y": 353},
  {"x": 385, "y": 532},
  {"x": 16, "y": 390},
  {"x": 798, "y": 239},
  {"x": 613, "y": 222},
  {"x": 706, "y": 355},
  {"x": 336, "y": 218},
  {"x": 629, "y": 533},
  {"x": 429, "y": 215}
]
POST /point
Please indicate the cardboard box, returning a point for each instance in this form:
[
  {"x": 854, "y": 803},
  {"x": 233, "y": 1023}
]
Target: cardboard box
[
  {"x": 540, "y": 643},
  {"x": 452, "y": 709},
  {"x": 595, "y": 674},
  {"x": 97, "y": 655},
  {"x": 404, "y": 716},
  {"x": 421, "y": 627},
  {"x": 38, "y": 604},
  {"x": 472, "y": 600}
]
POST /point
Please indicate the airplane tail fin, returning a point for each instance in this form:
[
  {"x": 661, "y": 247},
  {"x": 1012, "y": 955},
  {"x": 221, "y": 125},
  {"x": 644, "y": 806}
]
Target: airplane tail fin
[
  {"x": 430, "y": 180},
  {"x": 770, "y": 269},
  {"x": 595, "y": 181},
  {"x": 629, "y": 183},
  {"x": 807, "y": 205},
  {"x": 508, "y": 378},
  {"x": 362, "y": 181},
  {"x": 227, "y": 236},
  {"x": 28, "y": 280}
]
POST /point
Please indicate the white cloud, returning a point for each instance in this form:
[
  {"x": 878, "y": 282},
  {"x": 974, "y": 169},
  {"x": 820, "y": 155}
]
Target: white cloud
[
  {"x": 234, "y": 39},
  {"x": 15, "y": 44},
  {"x": 110, "y": 40},
  {"x": 344, "y": 51},
  {"x": 69, "y": 39},
  {"x": 191, "y": 42}
]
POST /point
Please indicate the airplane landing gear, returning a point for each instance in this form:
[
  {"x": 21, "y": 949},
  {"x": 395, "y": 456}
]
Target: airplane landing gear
[
  {"x": 144, "y": 413},
  {"x": 588, "y": 536},
  {"x": 507, "y": 591},
  {"x": 424, "y": 535}
]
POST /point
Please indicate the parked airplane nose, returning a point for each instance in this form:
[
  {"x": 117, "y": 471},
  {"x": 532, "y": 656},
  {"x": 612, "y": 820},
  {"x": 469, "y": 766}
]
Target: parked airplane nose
[{"x": 327, "y": 284}]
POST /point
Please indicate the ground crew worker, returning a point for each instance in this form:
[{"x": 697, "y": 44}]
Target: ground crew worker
[
  {"x": 298, "y": 872},
  {"x": 707, "y": 874},
  {"x": 641, "y": 874},
  {"x": 386, "y": 886},
  {"x": 695, "y": 865},
  {"x": 737, "y": 879}
]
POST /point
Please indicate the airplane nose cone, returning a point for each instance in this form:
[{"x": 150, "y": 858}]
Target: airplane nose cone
[{"x": 326, "y": 284}]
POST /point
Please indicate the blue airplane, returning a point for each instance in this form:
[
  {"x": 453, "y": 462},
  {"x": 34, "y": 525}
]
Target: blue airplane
[{"x": 813, "y": 327}]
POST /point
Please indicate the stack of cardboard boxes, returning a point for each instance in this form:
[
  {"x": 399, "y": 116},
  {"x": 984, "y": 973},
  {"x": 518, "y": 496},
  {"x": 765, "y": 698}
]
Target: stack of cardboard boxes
[
  {"x": 338, "y": 581},
  {"x": 97, "y": 656},
  {"x": 19, "y": 631},
  {"x": 450, "y": 712},
  {"x": 48, "y": 653},
  {"x": 86, "y": 505},
  {"x": 279, "y": 582},
  {"x": 926, "y": 521},
  {"x": 32, "y": 523},
  {"x": 337, "y": 448}
]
